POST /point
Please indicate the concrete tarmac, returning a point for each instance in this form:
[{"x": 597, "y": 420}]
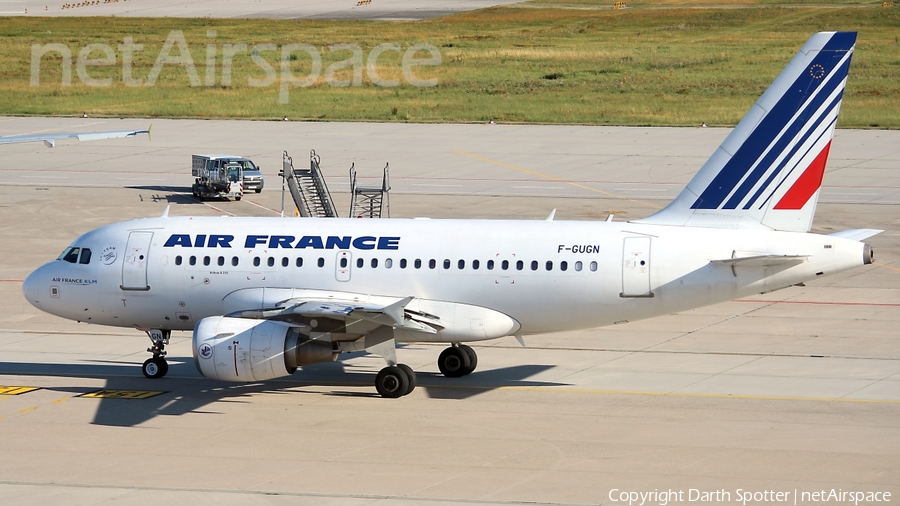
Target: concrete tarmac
[{"x": 796, "y": 391}]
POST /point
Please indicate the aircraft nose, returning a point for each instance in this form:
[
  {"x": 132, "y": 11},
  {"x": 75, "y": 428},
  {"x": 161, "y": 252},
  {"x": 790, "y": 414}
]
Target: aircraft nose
[{"x": 31, "y": 288}]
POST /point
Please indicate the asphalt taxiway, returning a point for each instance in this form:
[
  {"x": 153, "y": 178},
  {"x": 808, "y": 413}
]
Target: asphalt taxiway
[{"x": 794, "y": 391}]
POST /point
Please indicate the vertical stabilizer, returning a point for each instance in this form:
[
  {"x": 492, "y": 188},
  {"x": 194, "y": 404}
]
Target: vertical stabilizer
[{"x": 768, "y": 171}]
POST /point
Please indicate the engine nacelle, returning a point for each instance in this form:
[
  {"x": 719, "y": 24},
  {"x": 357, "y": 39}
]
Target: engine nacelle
[{"x": 240, "y": 349}]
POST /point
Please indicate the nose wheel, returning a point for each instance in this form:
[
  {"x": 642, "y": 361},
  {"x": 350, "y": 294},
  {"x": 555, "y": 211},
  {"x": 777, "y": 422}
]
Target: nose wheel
[{"x": 157, "y": 367}]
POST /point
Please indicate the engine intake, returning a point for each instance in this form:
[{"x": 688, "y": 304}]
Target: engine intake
[{"x": 239, "y": 349}]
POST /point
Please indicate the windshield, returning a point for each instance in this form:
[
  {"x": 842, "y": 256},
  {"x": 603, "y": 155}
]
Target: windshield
[
  {"x": 69, "y": 255},
  {"x": 75, "y": 255},
  {"x": 234, "y": 172}
]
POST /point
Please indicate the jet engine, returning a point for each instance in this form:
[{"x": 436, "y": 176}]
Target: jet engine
[{"x": 240, "y": 349}]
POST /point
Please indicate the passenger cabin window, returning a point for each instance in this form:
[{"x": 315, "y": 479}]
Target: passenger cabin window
[
  {"x": 192, "y": 260},
  {"x": 85, "y": 256},
  {"x": 299, "y": 262},
  {"x": 374, "y": 263},
  {"x": 446, "y": 263},
  {"x": 178, "y": 260},
  {"x": 235, "y": 261},
  {"x": 461, "y": 264},
  {"x": 578, "y": 266},
  {"x": 321, "y": 262},
  {"x": 549, "y": 265},
  {"x": 255, "y": 261},
  {"x": 490, "y": 265},
  {"x": 476, "y": 264},
  {"x": 563, "y": 265},
  {"x": 432, "y": 263},
  {"x": 388, "y": 263},
  {"x": 505, "y": 265},
  {"x": 520, "y": 265},
  {"x": 534, "y": 265},
  {"x": 221, "y": 261},
  {"x": 285, "y": 261},
  {"x": 418, "y": 263},
  {"x": 271, "y": 261},
  {"x": 403, "y": 263},
  {"x": 206, "y": 260},
  {"x": 343, "y": 263},
  {"x": 360, "y": 262},
  {"x": 593, "y": 266}
]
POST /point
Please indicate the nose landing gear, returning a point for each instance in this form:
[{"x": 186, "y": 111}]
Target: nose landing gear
[{"x": 157, "y": 367}]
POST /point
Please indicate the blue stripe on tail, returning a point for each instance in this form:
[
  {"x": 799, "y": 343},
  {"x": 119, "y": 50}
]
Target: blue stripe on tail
[
  {"x": 834, "y": 103},
  {"x": 774, "y": 122}
]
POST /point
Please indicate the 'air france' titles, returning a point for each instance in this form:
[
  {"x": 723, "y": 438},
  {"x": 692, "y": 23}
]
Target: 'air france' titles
[{"x": 365, "y": 242}]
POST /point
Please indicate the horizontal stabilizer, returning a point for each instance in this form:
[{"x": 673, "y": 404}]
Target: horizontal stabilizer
[
  {"x": 762, "y": 260},
  {"x": 857, "y": 234}
]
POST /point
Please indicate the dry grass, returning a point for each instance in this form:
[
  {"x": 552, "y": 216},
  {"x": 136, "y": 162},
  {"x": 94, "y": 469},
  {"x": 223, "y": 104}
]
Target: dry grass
[{"x": 549, "y": 61}]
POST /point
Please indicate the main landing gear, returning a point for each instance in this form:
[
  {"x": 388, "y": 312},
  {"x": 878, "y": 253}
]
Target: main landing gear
[
  {"x": 157, "y": 367},
  {"x": 457, "y": 361},
  {"x": 395, "y": 381},
  {"x": 398, "y": 380}
]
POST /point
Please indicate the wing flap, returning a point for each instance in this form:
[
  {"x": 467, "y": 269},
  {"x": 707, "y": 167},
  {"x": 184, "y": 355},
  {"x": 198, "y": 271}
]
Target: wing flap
[{"x": 393, "y": 315}]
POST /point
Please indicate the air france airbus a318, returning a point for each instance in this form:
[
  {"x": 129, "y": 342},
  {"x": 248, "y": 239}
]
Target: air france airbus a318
[{"x": 265, "y": 296}]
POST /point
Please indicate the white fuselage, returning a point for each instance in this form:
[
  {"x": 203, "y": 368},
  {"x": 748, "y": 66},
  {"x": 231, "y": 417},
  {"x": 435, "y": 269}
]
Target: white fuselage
[{"x": 171, "y": 272}]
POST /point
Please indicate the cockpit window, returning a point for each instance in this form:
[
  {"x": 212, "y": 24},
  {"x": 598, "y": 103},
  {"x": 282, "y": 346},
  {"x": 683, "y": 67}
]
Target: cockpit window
[
  {"x": 70, "y": 255},
  {"x": 75, "y": 255}
]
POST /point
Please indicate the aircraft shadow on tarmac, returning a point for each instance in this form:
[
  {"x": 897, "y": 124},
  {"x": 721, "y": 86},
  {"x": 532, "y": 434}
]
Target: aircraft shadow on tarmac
[
  {"x": 171, "y": 194},
  {"x": 185, "y": 391}
]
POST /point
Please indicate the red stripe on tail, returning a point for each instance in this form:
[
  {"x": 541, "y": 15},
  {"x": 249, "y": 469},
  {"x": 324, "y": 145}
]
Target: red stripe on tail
[{"x": 807, "y": 184}]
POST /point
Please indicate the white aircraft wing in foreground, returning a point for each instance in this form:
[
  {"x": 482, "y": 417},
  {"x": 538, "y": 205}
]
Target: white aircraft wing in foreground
[
  {"x": 265, "y": 296},
  {"x": 50, "y": 139}
]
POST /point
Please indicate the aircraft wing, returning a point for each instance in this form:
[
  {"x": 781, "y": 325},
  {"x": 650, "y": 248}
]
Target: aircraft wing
[
  {"x": 394, "y": 315},
  {"x": 50, "y": 139}
]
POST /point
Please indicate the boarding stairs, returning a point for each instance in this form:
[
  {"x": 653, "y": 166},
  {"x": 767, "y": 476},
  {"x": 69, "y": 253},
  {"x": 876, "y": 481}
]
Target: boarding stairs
[
  {"x": 308, "y": 188},
  {"x": 369, "y": 202}
]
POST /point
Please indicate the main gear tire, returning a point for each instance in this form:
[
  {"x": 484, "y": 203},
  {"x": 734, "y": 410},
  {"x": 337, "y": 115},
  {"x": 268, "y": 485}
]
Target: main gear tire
[
  {"x": 453, "y": 362},
  {"x": 392, "y": 382}
]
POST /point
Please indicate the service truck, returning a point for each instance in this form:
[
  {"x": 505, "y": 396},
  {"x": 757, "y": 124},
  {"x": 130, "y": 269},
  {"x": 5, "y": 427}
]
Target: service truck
[{"x": 219, "y": 176}]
